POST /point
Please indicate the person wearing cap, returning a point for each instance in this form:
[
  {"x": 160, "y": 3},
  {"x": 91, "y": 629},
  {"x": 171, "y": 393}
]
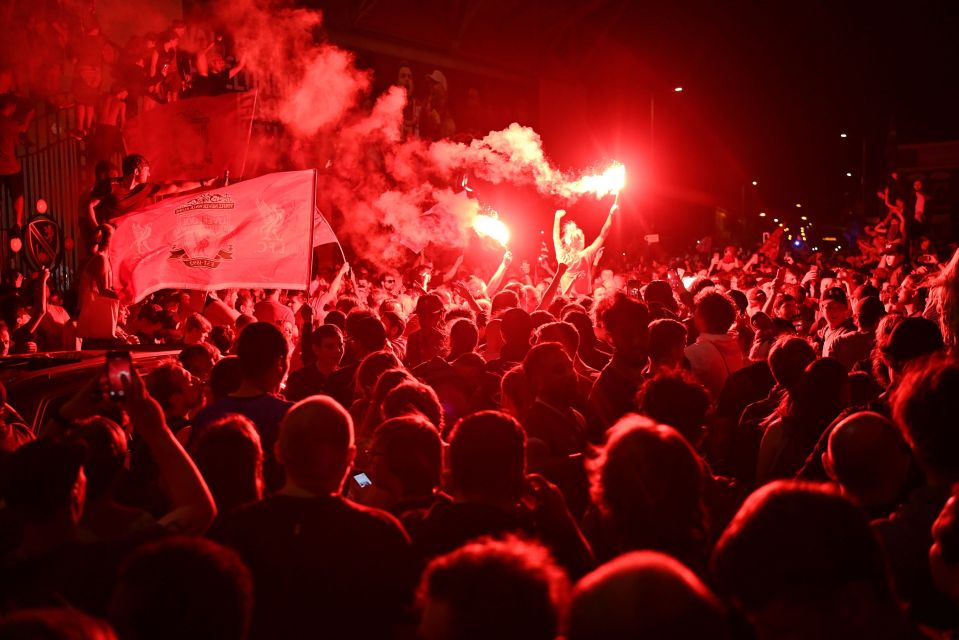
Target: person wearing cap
[
  {"x": 892, "y": 266},
  {"x": 856, "y": 346},
  {"x": 436, "y": 122},
  {"x": 834, "y": 307},
  {"x": 757, "y": 300}
]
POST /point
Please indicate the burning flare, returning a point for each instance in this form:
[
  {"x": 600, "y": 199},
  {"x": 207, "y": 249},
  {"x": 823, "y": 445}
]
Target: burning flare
[
  {"x": 610, "y": 181},
  {"x": 491, "y": 226}
]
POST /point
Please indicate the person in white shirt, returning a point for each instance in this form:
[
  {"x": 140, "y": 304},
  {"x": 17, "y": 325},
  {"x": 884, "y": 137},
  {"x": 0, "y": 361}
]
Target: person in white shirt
[{"x": 716, "y": 352}]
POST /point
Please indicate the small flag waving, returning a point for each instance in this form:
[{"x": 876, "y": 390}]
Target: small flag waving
[
  {"x": 322, "y": 231},
  {"x": 771, "y": 248},
  {"x": 257, "y": 233}
]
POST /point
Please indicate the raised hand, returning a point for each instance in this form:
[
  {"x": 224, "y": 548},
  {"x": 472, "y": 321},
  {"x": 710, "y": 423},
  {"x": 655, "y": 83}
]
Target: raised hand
[
  {"x": 145, "y": 412},
  {"x": 780, "y": 278}
]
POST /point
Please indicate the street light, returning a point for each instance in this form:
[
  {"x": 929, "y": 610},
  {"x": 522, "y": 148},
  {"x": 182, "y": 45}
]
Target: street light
[
  {"x": 849, "y": 174},
  {"x": 762, "y": 214},
  {"x": 755, "y": 184},
  {"x": 678, "y": 89},
  {"x": 843, "y": 135},
  {"x": 799, "y": 205}
]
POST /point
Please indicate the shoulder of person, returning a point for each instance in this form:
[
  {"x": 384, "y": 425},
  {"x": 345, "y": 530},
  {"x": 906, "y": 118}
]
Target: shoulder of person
[
  {"x": 102, "y": 188},
  {"x": 377, "y": 518},
  {"x": 238, "y": 522}
]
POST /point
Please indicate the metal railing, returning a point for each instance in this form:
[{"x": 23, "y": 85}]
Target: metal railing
[{"x": 53, "y": 168}]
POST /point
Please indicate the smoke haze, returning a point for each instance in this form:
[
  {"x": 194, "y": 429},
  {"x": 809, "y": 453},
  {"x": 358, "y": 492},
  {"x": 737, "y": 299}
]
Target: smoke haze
[{"x": 391, "y": 195}]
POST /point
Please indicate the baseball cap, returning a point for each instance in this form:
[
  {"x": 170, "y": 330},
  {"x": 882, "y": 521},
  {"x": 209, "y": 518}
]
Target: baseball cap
[
  {"x": 911, "y": 339},
  {"x": 893, "y": 248},
  {"x": 437, "y": 76},
  {"x": 658, "y": 291},
  {"x": 835, "y": 294},
  {"x": 428, "y": 303}
]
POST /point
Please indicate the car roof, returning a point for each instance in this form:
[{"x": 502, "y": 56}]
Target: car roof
[{"x": 12, "y": 368}]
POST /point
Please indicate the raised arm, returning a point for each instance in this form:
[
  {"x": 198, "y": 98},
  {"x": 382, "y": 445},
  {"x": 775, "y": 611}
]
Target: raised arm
[
  {"x": 170, "y": 188},
  {"x": 449, "y": 275},
  {"x": 238, "y": 68},
  {"x": 192, "y": 508},
  {"x": 776, "y": 288},
  {"x": 40, "y": 309},
  {"x": 604, "y": 232},
  {"x": 557, "y": 239},
  {"x": 550, "y": 292},
  {"x": 497, "y": 280},
  {"x": 464, "y": 293},
  {"x": 319, "y": 303}
]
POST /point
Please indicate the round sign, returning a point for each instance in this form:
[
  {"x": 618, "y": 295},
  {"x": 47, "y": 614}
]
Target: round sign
[{"x": 43, "y": 240}]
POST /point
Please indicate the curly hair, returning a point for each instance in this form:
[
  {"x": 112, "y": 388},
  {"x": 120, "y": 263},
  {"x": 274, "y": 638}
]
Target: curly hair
[{"x": 648, "y": 481}]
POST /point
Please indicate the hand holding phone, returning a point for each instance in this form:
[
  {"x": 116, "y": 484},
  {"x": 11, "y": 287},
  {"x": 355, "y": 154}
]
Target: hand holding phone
[{"x": 119, "y": 374}]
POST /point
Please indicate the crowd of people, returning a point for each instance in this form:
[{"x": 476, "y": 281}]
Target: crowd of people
[
  {"x": 756, "y": 442},
  {"x": 80, "y": 66},
  {"x": 98, "y": 84},
  {"x": 103, "y": 82},
  {"x": 754, "y": 445}
]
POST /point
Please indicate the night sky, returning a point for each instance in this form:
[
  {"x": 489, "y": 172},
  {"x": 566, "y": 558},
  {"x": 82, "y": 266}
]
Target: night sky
[
  {"x": 771, "y": 86},
  {"x": 768, "y": 89}
]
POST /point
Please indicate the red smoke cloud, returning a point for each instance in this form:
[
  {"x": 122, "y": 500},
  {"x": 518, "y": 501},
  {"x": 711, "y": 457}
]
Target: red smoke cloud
[{"x": 392, "y": 194}]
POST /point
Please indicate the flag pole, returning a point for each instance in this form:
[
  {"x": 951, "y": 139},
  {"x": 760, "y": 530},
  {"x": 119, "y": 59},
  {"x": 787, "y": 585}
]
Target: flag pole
[{"x": 309, "y": 262}]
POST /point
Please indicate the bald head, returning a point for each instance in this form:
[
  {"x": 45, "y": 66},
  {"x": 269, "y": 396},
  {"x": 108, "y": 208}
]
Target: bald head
[
  {"x": 644, "y": 594},
  {"x": 315, "y": 444},
  {"x": 869, "y": 458}
]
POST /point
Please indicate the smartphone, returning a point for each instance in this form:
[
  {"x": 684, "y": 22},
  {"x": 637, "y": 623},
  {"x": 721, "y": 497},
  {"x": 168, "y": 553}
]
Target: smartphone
[
  {"x": 119, "y": 370},
  {"x": 362, "y": 480}
]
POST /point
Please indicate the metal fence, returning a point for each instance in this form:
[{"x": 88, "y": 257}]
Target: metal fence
[
  {"x": 56, "y": 170},
  {"x": 53, "y": 170}
]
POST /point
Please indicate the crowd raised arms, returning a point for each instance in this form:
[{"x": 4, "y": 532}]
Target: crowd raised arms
[
  {"x": 753, "y": 442},
  {"x": 385, "y": 453}
]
